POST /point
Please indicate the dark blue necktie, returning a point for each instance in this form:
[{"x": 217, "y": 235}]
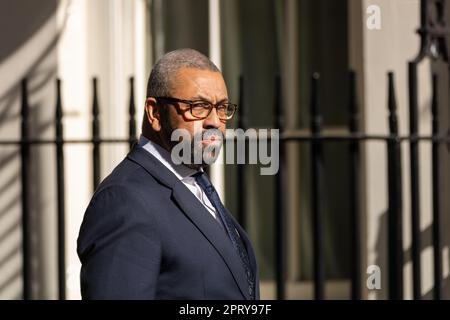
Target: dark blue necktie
[{"x": 230, "y": 228}]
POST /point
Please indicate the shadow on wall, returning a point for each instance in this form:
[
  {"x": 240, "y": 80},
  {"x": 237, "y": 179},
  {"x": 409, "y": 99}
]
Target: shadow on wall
[
  {"x": 16, "y": 15},
  {"x": 10, "y": 214},
  {"x": 19, "y": 21},
  {"x": 382, "y": 260}
]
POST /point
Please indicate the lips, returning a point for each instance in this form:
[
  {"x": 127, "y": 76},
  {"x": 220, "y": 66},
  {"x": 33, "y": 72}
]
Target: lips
[
  {"x": 211, "y": 142},
  {"x": 211, "y": 138}
]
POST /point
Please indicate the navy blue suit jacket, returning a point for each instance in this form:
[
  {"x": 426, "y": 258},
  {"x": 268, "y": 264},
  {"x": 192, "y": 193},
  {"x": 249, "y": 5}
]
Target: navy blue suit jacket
[{"x": 146, "y": 236}]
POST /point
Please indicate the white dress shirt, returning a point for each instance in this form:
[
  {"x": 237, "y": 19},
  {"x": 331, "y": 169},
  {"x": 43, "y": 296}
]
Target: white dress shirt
[{"x": 182, "y": 172}]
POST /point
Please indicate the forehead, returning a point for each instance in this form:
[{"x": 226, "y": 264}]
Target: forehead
[{"x": 190, "y": 83}]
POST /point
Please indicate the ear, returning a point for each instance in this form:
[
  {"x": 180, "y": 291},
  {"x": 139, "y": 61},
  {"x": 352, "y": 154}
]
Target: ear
[{"x": 153, "y": 115}]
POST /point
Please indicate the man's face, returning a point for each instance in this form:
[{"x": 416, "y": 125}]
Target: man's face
[{"x": 194, "y": 85}]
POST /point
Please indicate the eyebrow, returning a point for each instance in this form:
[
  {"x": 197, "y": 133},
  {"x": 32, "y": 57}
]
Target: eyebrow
[{"x": 206, "y": 99}]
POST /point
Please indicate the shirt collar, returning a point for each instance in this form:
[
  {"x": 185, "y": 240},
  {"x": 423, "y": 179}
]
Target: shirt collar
[{"x": 181, "y": 171}]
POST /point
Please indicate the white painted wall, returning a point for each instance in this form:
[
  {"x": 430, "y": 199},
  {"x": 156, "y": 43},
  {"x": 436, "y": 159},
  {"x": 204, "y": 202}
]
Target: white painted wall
[
  {"x": 35, "y": 59},
  {"x": 217, "y": 169},
  {"x": 106, "y": 39}
]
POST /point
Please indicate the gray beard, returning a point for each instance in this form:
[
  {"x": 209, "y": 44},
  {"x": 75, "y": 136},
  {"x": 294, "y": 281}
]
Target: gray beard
[{"x": 196, "y": 152}]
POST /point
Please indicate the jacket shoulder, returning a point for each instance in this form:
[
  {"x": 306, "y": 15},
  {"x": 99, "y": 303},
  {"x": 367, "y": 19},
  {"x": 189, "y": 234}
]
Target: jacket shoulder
[{"x": 129, "y": 175}]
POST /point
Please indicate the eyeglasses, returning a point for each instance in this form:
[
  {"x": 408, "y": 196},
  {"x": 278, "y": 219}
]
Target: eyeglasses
[{"x": 201, "y": 109}]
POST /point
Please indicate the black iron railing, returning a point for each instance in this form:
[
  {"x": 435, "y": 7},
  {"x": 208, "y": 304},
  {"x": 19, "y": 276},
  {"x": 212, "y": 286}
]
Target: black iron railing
[
  {"x": 316, "y": 138},
  {"x": 25, "y": 144}
]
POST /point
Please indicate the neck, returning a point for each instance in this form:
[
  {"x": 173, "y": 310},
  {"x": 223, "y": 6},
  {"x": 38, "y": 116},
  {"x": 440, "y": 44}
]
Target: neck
[{"x": 156, "y": 138}]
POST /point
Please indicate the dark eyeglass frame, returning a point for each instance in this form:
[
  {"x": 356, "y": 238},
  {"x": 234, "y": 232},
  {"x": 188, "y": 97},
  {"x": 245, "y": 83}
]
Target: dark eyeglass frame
[{"x": 191, "y": 104}]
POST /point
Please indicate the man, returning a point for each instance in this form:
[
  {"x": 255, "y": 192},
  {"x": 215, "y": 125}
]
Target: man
[{"x": 155, "y": 229}]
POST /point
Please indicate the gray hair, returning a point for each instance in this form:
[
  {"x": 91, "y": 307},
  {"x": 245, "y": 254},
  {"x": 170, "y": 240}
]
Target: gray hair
[{"x": 159, "y": 83}]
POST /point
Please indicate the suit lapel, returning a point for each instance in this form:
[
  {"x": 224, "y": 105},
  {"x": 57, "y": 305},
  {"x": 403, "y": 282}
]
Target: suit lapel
[
  {"x": 196, "y": 213},
  {"x": 213, "y": 232},
  {"x": 153, "y": 166}
]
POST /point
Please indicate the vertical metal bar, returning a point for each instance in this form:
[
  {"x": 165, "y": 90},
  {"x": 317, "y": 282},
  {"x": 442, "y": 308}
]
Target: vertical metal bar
[
  {"x": 241, "y": 179},
  {"x": 395, "y": 233},
  {"x": 355, "y": 218},
  {"x": 280, "y": 214},
  {"x": 437, "y": 220},
  {"x": 25, "y": 165},
  {"x": 447, "y": 144},
  {"x": 95, "y": 136},
  {"x": 414, "y": 167},
  {"x": 60, "y": 194},
  {"x": 423, "y": 12},
  {"x": 132, "y": 113},
  {"x": 316, "y": 181}
]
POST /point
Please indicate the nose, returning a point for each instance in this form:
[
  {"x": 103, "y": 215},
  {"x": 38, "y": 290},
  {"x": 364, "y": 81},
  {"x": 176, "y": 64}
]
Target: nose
[{"x": 212, "y": 121}]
